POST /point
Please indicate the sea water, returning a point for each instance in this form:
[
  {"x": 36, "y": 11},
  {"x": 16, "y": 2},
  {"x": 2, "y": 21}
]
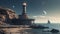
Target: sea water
[{"x": 41, "y": 31}]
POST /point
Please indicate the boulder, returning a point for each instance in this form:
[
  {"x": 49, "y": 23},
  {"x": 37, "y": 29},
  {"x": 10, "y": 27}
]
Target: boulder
[{"x": 54, "y": 31}]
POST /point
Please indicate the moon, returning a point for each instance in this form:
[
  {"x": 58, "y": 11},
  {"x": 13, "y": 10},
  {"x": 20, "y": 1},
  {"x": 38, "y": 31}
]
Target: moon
[
  {"x": 13, "y": 6},
  {"x": 44, "y": 12}
]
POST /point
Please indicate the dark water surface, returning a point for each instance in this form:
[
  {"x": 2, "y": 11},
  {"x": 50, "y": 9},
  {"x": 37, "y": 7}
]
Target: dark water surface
[
  {"x": 38, "y": 31},
  {"x": 42, "y": 31}
]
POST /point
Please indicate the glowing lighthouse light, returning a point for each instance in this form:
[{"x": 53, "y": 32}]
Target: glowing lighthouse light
[{"x": 24, "y": 3}]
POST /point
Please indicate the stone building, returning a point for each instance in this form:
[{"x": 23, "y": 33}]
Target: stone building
[{"x": 25, "y": 20}]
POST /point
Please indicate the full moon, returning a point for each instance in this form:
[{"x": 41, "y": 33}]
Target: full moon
[{"x": 13, "y": 6}]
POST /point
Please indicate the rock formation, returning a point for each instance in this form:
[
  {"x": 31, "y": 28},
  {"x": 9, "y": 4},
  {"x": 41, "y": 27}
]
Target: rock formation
[{"x": 6, "y": 15}]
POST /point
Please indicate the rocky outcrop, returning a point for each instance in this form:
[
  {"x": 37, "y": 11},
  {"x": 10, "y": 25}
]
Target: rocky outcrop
[
  {"x": 6, "y": 15},
  {"x": 11, "y": 14},
  {"x": 54, "y": 31}
]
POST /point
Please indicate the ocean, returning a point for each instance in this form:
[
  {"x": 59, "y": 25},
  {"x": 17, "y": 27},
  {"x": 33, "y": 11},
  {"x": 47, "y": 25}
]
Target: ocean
[{"x": 43, "y": 31}]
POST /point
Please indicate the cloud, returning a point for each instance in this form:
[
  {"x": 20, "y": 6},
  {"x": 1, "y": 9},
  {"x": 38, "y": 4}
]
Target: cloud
[
  {"x": 44, "y": 19},
  {"x": 40, "y": 19},
  {"x": 40, "y": 16}
]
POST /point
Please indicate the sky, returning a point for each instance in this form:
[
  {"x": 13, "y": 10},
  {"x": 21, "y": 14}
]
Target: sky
[{"x": 40, "y": 10}]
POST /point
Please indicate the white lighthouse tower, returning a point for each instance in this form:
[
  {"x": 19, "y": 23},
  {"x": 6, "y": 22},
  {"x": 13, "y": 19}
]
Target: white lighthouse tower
[
  {"x": 24, "y": 14},
  {"x": 24, "y": 7}
]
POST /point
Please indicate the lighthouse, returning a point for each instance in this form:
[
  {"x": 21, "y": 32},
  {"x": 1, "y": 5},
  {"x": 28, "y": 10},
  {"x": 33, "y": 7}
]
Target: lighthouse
[
  {"x": 23, "y": 18},
  {"x": 24, "y": 14},
  {"x": 24, "y": 7}
]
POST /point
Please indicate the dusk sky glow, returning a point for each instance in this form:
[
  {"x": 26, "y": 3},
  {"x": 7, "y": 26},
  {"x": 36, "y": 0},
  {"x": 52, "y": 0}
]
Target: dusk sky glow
[{"x": 41, "y": 10}]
